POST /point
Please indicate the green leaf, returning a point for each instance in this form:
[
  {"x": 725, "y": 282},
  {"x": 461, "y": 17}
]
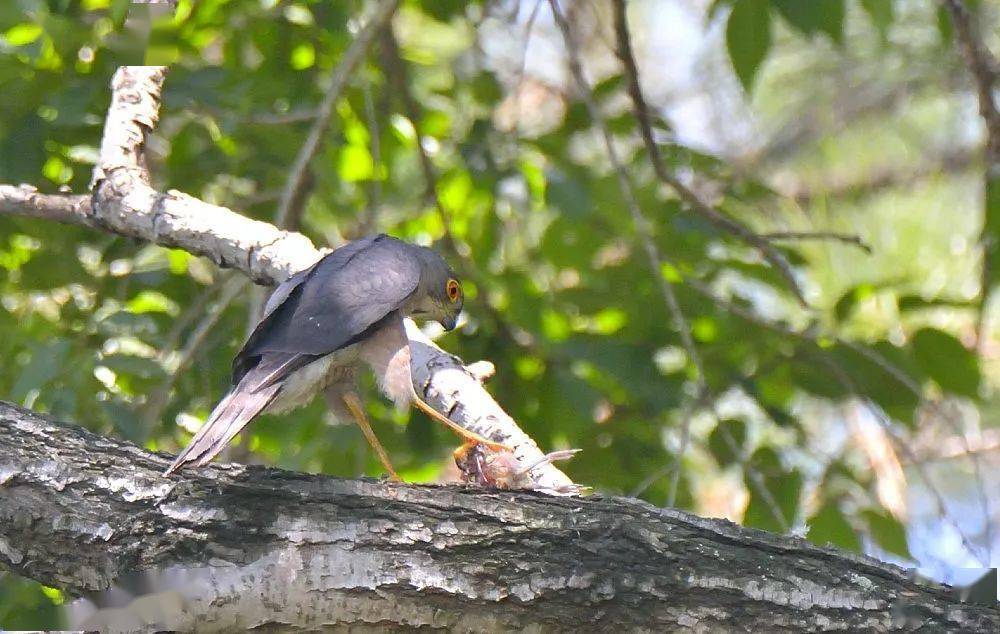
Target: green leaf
[
  {"x": 609, "y": 86},
  {"x": 566, "y": 194},
  {"x": 784, "y": 489},
  {"x": 748, "y": 38},
  {"x": 152, "y": 302},
  {"x": 814, "y": 16},
  {"x": 991, "y": 230},
  {"x": 943, "y": 358},
  {"x": 880, "y": 12},
  {"x": 802, "y": 16},
  {"x": 720, "y": 446},
  {"x": 888, "y": 533},
  {"x": 829, "y": 526},
  {"x": 22, "y": 34},
  {"x": 355, "y": 164},
  {"x": 845, "y": 306},
  {"x": 945, "y": 28}
]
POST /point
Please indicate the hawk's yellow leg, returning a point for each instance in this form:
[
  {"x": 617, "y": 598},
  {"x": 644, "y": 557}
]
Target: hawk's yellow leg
[
  {"x": 470, "y": 437},
  {"x": 358, "y": 411}
]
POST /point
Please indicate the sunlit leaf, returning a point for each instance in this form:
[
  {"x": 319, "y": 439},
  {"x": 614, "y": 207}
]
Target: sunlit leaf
[{"x": 148, "y": 301}]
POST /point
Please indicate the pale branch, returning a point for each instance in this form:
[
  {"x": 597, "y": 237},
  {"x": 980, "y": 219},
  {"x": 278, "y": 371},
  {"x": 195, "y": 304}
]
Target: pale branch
[
  {"x": 692, "y": 201},
  {"x": 125, "y": 204},
  {"x": 25, "y": 200},
  {"x": 237, "y": 548},
  {"x": 321, "y": 123}
]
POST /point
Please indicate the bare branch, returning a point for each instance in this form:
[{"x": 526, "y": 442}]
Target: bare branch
[
  {"x": 396, "y": 69},
  {"x": 644, "y": 230},
  {"x": 25, "y": 200},
  {"x": 356, "y": 51},
  {"x": 694, "y": 203},
  {"x": 847, "y": 238},
  {"x": 983, "y": 67}
]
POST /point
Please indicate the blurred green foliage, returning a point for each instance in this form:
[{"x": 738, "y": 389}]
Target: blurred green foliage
[{"x": 560, "y": 296}]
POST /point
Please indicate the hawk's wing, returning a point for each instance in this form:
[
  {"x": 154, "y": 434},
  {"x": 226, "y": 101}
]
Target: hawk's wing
[{"x": 329, "y": 306}]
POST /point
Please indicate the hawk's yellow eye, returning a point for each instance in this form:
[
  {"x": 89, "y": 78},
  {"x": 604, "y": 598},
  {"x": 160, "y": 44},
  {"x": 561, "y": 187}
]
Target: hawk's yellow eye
[{"x": 453, "y": 289}]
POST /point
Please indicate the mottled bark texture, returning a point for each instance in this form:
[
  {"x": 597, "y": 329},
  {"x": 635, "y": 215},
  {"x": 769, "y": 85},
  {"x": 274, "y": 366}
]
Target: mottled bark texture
[{"x": 230, "y": 548}]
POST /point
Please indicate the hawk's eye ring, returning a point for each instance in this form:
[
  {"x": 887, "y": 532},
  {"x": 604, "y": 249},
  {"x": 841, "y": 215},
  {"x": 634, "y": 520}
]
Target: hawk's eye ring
[{"x": 453, "y": 289}]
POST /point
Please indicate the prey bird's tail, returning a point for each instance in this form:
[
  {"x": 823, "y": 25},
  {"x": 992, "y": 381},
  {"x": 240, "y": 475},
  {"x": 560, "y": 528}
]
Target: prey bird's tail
[{"x": 230, "y": 416}]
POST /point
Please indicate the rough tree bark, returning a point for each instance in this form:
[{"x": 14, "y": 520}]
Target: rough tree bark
[{"x": 234, "y": 548}]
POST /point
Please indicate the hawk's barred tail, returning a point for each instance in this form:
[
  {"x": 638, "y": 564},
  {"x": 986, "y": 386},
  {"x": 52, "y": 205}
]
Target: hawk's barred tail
[{"x": 229, "y": 417}]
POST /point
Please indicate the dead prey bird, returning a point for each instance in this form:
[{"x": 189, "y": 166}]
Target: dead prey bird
[{"x": 322, "y": 325}]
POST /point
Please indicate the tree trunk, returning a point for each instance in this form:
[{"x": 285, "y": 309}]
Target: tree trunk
[{"x": 228, "y": 548}]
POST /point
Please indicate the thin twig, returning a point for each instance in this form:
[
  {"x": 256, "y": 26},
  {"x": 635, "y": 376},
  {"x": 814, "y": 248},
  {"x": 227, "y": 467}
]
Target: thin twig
[
  {"x": 846, "y": 238},
  {"x": 160, "y": 398},
  {"x": 874, "y": 357},
  {"x": 375, "y": 183},
  {"x": 644, "y": 229},
  {"x": 983, "y": 68},
  {"x": 523, "y": 64},
  {"x": 297, "y": 178},
  {"x": 396, "y": 69},
  {"x": 842, "y": 377},
  {"x": 713, "y": 215}
]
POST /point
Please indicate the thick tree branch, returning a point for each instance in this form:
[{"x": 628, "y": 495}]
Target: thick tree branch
[
  {"x": 125, "y": 203},
  {"x": 295, "y": 551}
]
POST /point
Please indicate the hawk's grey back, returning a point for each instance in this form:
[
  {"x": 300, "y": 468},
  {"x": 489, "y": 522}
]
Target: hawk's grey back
[{"x": 331, "y": 305}]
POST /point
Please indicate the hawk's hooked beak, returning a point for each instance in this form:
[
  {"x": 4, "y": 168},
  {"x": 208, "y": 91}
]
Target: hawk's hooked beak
[{"x": 449, "y": 323}]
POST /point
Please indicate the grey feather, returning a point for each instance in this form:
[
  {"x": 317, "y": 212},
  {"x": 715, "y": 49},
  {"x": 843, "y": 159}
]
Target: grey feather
[
  {"x": 333, "y": 304},
  {"x": 236, "y": 409}
]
